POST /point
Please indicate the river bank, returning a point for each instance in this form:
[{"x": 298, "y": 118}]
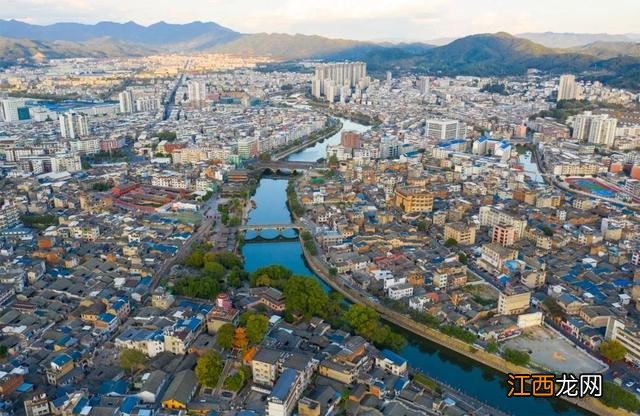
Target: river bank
[
  {"x": 482, "y": 357},
  {"x": 469, "y": 375}
]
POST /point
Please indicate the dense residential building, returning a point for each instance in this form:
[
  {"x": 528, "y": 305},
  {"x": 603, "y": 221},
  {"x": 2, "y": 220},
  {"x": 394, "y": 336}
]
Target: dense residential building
[
  {"x": 443, "y": 130},
  {"x": 492, "y": 216},
  {"x": 503, "y": 234},
  {"x": 285, "y": 393},
  {"x": 454, "y": 202},
  {"x": 567, "y": 89},
  {"x": 627, "y": 335},
  {"x": 464, "y": 234},
  {"x": 598, "y": 129},
  {"x": 514, "y": 300},
  {"x": 126, "y": 102},
  {"x": 10, "y": 109},
  {"x": 494, "y": 256},
  {"x": 413, "y": 200},
  {"x": 331, "y": 77},
  {"x": 9, "y": 215},
  {"x": 73, "y": 125}
]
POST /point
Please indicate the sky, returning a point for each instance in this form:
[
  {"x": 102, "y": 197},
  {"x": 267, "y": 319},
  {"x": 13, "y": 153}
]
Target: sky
[{"x": 351, "y": 19}]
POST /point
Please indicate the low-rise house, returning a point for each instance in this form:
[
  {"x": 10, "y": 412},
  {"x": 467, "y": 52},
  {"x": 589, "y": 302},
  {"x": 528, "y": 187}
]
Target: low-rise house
[
  {"x": 391, "y": 362},
  {"x": 401, "y": 291},
  {"x": 152, "y": 385},
  {"x": 59, "y": 366},
  {"x": 149, "y": 342},
  {"x": 181, "y": 390}
]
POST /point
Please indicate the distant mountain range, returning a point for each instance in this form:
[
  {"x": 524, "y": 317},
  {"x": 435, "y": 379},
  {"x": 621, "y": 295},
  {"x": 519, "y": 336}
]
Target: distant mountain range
[
  {"x": 33, "y": 51},
  {"x": 158, "y": 34},
  {"x": 610, "y": 58}
]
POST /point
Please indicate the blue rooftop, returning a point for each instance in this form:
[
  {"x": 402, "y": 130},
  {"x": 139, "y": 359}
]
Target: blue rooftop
[
  {"x": 80, "y": 405},
  {"x": 284, "y": 383},
  {"x": 129, "y": 404},
  {"x": 106, "y": 317},
  {"x": 401, "y": 383},
  {"x": 392, "y": 356},
  {"x": 24, "y": 387},
  {"x": 113, "y": 387},
  {"x": 61, "y": 359}
]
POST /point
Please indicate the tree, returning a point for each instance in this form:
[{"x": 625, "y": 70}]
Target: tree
[
  {"x": 273, "y": 275},
  {"x": 131, "y": 359},
  {"x": 234, "y": 279},
  {"x": 309, "y": 244},
  {"x": 240, "y": 340},
  {"x": 422, "y": 226},
  {"x": 208, "y": 368},
  {"x": 450, "y": 242},
  {"x": 344, "y": 397},
  {"x": 365, "y": 322},
  {"x": 615, "y": 396},
  {"x": 195, "y": 259},
  {"x": 213, "y": 270},
  {"x": 335, "y": 307},
  {"x": 236, "y": 381},
  {"x": 3, "y": 352},
  {"x": 613, "y": 350},
  {"x": 462, "y": 258},
  {"x": 457, "y": 332},
  {"x": 304, "y": 296},
  {"x": 516, "y": 357},
  {"x": 333, "y": 160},
  {"x": 257, "y": 326},
  {"x": 203, "y": 287},
  {"x": 166, "y": 135},
  {"x": 227, "y": 259},
  {"x": 495, "y": 88},
  {"x": 547, "y": 231},
  {"x": 100, "y": 186},
  {"x": 492, "y": 347},
  {"x": 264, "y": 157},
  {"x": 226, "y": 334},
  {"x": 39, "y": 221}
]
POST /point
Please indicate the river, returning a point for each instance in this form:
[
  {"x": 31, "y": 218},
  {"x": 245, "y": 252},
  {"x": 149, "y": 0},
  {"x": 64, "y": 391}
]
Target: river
[
  {"x": 438, "y": 362},
  {"x": 318, "y": 150}
]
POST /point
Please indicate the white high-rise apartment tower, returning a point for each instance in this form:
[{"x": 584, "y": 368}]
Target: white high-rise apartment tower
[
  {"x": 603, "y": 131},
  {"x": 9, "y": 109},
  {"x": 568, "y": 89},
  {"x": 424, "y": 85},
  {"x": 196, "y": 90},
  {"x": 73, "y": 125},
  {"x": 595, "y": 128},
  {"x": 126, "y": 101}
]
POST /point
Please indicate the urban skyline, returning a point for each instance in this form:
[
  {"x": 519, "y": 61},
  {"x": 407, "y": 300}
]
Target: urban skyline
[{"x": 199, "y": 221}]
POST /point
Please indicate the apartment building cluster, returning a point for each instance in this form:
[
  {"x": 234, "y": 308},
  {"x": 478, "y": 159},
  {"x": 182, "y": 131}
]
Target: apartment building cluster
[{"x": 337, "y": 79}]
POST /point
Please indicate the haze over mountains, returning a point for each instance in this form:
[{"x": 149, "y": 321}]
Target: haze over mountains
[
  {"x": 572, "y": 40},
  {"x": 611, "y": 58}
]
